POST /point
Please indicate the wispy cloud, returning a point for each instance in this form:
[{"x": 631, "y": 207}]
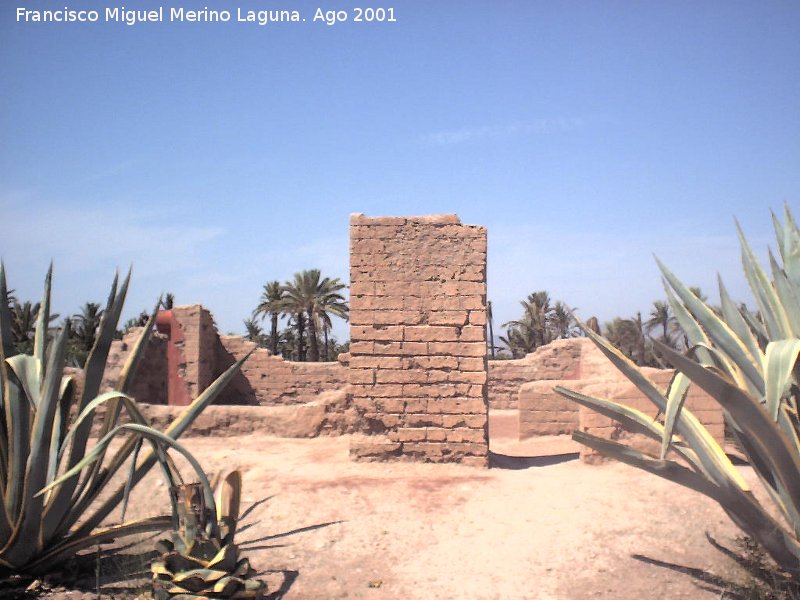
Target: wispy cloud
[{"x": 469, "y": 134}]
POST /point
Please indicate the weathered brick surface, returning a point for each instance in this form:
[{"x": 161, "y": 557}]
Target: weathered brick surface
[
  {"x": 560, "y": 359},
  {"x": 418, "y": 371},
  {"x": 150, "y": 383},
  {"x": 203, "y": 355},
  {"x": 269, "y": 380}
]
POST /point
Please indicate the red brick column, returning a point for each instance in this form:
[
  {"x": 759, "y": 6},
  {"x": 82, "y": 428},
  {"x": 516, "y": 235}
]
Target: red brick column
[{"x": 418, "y": 369}]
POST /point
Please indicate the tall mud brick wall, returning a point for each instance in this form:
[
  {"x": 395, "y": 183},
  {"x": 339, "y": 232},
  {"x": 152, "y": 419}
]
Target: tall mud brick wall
[{"x": 418, "y": 369}]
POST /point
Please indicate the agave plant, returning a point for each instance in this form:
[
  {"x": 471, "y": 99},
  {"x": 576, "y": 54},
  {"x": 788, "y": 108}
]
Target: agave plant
[
  {"x": 50, "y": 481},
  {"x": 748, "y": 363},
  {"x": 201, "y": 560}
]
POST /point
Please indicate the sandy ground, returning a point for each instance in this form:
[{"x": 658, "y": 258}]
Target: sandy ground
[{"x": 331, "y": 528}]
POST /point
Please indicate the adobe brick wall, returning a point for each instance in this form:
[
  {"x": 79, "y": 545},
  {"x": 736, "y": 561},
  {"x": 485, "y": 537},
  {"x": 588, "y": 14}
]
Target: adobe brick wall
[
  {"x": 557, "y": 360},
  {"x": 704, "y": 408},
  {"x": 202, "y": 355},
  {"x": 418, "y": 371},
  {"x": 543, "y": 412},
  {"x": 269, "y": 380},
  {"x": 150, "y": 383}
]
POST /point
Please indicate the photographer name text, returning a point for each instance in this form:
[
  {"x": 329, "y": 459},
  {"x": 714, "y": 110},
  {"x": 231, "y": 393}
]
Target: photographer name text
[{"x": 162, "y": 14}]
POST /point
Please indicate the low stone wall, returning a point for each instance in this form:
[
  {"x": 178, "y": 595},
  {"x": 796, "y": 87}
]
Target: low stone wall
[
  {"x": 268, "y": 380},
  {"x": 543, "y": 412},
  {"x": 701, "y": 404},
  {"x": 201, "y": 355},
  {"x": 560, "y": 359},
  {"x": 150, "y": 383},
  {"x": 329, "y": 414}
]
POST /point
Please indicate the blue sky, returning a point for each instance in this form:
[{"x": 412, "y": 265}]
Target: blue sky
[{"x": 586, "y": 136}]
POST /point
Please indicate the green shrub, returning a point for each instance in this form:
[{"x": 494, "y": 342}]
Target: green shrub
[
  {"x": 748, "y": 363},
  {"x": 50, "y": 483}
]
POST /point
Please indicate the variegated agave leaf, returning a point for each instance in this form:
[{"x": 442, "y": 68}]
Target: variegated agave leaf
[{"x": 749, "y": 364}]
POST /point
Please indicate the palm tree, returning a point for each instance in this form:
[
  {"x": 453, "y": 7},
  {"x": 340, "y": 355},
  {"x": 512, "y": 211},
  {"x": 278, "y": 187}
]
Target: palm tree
[
  {"x": 272, "y": 304},
  {"x": 253, "y": 332},
  {"x": 561, "y": 323},
  {"x": 329, "y": 303},
  {"x": 169, "y": 301},
  {"x": 629, "y": 336},
  {"x": 86, "y": 323},
  {"x": 661, "y": 317},
  {"x": 23, "y": 325},
  {"x": 532, "y": 329},
  {"x": 308, "y": 298}
]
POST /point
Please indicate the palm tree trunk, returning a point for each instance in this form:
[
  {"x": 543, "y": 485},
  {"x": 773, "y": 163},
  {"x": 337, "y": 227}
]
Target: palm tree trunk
[
  {"x": 327, "y": 350},
  {"x": 273, "y": 334},
  {"x": 301, "y": 349},
  {"x": 313, "y": 343}
]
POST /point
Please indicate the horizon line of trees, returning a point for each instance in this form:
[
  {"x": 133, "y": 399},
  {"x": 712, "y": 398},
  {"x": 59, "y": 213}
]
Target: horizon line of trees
[
  {"x": 83, "y": 326},
  {"x": 544, "y": 321}
]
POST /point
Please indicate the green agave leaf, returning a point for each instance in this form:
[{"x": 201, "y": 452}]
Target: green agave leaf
[
  {"x": 62, "y": 510},
  {"x": 787, "y": 296},
  {"x": 70, "y": 546},
  {"x": 769, "y": 442},
  {"x": 714, "y": 461},
  {"x": 667, "y": 469},
  {"x": 150, "y": 434},
  {"x": 29, "y": 373},
  {"x": 6, "y": 340},
  {"x": 720, "y": 334},
  {"x": 176, "y": 428},
  {"x": 781, "y": 360},
  {"x": 630, "y": 418},
  {"x": 734, "y": 318},
  {"x": 17, "y": 408},
  {"x": 691, "y": 328},
  {"x": 676, "y": 396},
  {"x": 89, "y": 409},
  {"x": 128, "y": 372},
  {"x": 774, "y": 315},
  {"x": 788, "y": 238},
  {"x": 742, "y": 507},
  {"x": 43, "y": 321},
  {"x": 20, "y": 547},
  {"x": 66, "y": 396}
]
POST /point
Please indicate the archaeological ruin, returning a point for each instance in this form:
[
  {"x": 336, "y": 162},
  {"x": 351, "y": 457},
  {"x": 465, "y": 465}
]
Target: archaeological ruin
[{"x": 416, "y": 384}]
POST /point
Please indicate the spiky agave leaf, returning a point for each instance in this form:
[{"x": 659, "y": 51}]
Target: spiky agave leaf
[
  {"x": 749, "y": 364},
  {"x": 39, "y": 507}
]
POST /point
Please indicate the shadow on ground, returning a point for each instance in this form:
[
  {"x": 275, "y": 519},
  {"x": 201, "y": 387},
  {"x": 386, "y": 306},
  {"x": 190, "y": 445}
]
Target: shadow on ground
[{"x": 503, "y": 461}]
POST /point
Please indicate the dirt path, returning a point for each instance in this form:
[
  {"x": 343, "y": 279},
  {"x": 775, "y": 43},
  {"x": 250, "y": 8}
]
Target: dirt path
[
  {"x": 403, "y": 530},
  {"x": 566, "y": 531}
]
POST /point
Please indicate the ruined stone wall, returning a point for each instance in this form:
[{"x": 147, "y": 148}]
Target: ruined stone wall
[
  {"x": 202, "y": 355},
  {"x": 198, "y": 336},
  {"x": 150, "y": 383},
  {"x": 269, "y": 380},
  {"x": 543, "y": 412},
  {"x": 701, "y": 404},
  {"x": 560, "y": 359},
  {"x": 418, "y": 370}
]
